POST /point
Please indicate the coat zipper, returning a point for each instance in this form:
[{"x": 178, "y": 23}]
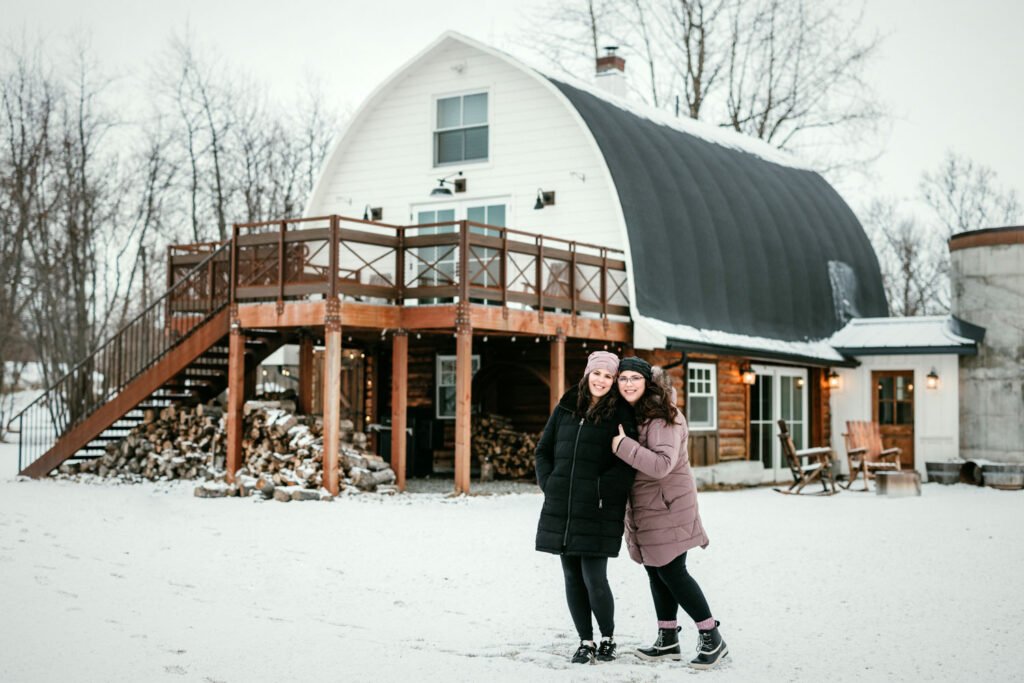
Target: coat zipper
[{"x": 572, "y": 471}]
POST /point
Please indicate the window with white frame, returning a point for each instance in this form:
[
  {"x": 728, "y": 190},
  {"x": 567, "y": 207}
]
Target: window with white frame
[
  {"x": 460, "y": 129},
  {"x": 702, "y": 396},
  {"x": 445, "y": 398}
]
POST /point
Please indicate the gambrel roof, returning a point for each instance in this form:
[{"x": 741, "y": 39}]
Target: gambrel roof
[{"x": 722, "y": 238}]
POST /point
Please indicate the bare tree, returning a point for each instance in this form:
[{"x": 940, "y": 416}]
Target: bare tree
[
  {"x": 911, "y": 260},
  {"x": 967, "y": 196},
  {"x": 26, "y": 119},
  {"x": 788, "y": 72}
]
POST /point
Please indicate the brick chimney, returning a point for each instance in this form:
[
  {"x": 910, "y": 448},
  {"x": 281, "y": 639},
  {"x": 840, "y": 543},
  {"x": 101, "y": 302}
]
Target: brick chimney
[{"x": 611, "y": 72}]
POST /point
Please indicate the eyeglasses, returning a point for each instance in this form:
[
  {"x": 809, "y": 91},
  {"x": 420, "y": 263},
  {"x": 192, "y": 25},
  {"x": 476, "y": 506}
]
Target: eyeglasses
[{"x": 629, "y": 379}]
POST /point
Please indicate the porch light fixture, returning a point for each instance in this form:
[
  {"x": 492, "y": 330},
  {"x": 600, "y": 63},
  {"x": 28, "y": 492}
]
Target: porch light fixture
[
  {"x": 373, "y": 213},
  {"x": 932, "y": 379},
  {"x": 441, "y": 191},
  {"x": 747, "y": 374},
  {"x": 833, "y": 380},
  {"x": 544, "y": 199}
]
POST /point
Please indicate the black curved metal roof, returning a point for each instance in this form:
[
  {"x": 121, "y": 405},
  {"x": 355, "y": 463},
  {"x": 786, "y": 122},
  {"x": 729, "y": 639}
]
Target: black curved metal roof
[{"x": 722, "y": 239}]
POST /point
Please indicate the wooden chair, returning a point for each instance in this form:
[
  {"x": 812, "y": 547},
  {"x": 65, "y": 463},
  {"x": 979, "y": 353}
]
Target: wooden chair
[
  {"x": 864, "y": 451},
  {"x": 807, "y": 465}
]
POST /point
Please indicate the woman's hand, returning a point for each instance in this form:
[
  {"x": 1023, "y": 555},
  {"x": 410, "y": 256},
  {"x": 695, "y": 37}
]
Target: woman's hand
[{"x": 618, "y": 439}]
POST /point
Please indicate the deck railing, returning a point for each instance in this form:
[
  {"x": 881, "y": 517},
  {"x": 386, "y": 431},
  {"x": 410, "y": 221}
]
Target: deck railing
[
  {"x": 418, "y": 264},
  {"x": 195, "y": 296}
]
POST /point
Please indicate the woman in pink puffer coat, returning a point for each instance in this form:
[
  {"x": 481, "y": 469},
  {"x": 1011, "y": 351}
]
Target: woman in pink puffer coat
[{"x": 662, "y": 518}]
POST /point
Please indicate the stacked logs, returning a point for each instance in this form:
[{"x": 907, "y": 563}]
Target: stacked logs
[
  {"x": 282, "y": 453},
  {"x": 174, "y": 443},
  {"x": 496, "y": 443}
]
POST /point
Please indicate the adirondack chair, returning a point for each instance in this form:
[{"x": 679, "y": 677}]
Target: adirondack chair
[
  {"x": 864, "y": 452},
  {"x": 807, "y": 465}
]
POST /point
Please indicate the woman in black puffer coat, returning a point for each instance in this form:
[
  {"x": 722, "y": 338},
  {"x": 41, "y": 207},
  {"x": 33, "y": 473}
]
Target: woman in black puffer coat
[{"x": 585, "y": 492}]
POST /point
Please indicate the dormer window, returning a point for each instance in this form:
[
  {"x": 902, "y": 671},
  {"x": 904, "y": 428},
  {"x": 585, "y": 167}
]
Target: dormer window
[{"x": 460, "y": 129}]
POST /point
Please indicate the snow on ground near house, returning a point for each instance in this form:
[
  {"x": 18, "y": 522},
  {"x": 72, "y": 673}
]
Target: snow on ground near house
[{"x": 146, "y": 582}]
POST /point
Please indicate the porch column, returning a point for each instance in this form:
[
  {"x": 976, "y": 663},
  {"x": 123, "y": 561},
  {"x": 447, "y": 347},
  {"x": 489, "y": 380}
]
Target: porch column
[
  {"x": 236, "y": 398},
  {"x": 463, "y": 396},
  {"x": 556, "y": 376},
  {"x": 399, "y": 403},
  {"x": 332, "y": 394},
  {"x": 305, "y": 373}
]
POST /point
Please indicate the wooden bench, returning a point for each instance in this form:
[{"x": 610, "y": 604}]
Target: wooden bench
[{"x": 864, "y": 452}]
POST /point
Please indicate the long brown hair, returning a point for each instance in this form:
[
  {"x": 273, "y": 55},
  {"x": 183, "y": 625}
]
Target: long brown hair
[
  {"x": 603, "y": 410},
  {"x": 657, "y": 399}
]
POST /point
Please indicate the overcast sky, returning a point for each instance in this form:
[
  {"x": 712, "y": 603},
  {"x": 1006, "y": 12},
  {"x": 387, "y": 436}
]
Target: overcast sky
[{"x": 949, "y": 71}]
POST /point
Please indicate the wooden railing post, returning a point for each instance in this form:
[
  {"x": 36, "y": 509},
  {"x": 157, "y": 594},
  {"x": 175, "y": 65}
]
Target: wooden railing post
[
  {"x": 604, "y": 283},
  {"x": 572, "y": 277},
  {"x": 503, "y": 270},
  {"x": 234, "y": 265},
  {"x": 211, "y": 285},
  {"x": 540, "y": 276},
  {"x": 333, "y": 258},
  {"x": 280, "y": 267},
  {"x": 463, "y": 261},
  {"x": 400, "y": 267}
]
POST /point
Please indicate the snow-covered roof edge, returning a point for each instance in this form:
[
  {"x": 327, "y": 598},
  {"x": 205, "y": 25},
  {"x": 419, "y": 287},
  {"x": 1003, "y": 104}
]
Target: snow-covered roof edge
[
  {"x": 918, "y": 334},
  {"x": 651, "y": 333}
]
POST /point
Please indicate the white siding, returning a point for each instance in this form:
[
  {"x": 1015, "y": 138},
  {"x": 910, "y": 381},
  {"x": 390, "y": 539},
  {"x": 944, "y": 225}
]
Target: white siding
[
  {"x": 936, "y": 411},
  {"x": 536, "y": 141}
]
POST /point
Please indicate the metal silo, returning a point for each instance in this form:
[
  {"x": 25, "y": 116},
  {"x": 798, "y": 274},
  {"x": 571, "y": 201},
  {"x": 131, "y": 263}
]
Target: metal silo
[{"x": 987, "y": 283}]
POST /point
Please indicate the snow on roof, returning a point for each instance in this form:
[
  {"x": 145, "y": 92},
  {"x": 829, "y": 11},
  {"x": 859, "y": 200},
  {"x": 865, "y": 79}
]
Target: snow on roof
[
  {"x": 653, "y": 333},
  {"x": 725, "y": 137},
  {"x": 936, "y": 332}
]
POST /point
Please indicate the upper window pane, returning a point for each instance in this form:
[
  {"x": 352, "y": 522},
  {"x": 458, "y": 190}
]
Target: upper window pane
[
  {"x": 449, "y": 112},
  {"x": 474, "y": 109}
]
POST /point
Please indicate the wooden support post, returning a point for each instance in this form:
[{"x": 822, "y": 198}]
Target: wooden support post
[
  {"x": 332, "y": 395},
  {"x": 557, "y": 373},
  {"x": 306, "y": 374},
  {"x": 236, "y": 398},
  {"x": 463, "y": 397},
  {"x": 399, "y": 403}
]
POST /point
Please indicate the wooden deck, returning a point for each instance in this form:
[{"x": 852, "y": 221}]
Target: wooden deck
[{"x": 315, "y": 278}]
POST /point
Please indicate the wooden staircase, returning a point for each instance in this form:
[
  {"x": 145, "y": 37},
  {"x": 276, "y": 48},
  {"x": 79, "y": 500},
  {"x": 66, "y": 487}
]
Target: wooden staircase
[{"x": 174, "y": 352}]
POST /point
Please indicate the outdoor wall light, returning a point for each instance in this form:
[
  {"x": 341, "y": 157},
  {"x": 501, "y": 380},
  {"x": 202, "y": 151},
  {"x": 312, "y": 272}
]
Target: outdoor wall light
[
  {"x": 833, "y": 380},
  {"x": 441, "y": 191},
  {"x": 799, "y": 382},
  {"x": 747, "y": 374},
  {"x": 932, "y": 379},
  {"x": 373, "y": 213},
  {"x": 544, "y": 199}
]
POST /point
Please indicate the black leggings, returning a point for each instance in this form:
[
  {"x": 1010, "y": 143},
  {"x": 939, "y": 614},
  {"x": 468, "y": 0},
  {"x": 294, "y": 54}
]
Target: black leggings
[
  {"x": 672, "y": 587},
  {"x": 587, "y": 590}
]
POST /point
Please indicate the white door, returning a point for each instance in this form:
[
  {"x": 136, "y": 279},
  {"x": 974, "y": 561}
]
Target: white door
[
  {"x": 438, "y": 266},
  {"x": 777, "y": 393}
]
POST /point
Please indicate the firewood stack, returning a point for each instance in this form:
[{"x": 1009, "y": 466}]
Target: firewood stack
[
  {"x": 508, "y": 451},
  {"x": 282, "y": 453}
]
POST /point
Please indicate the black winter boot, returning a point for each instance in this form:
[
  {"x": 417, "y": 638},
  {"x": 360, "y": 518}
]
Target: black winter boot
[
  {"x": 606, "y": 650},
  {"x": 585, "y": 653},
  {"x": 711, "y": 649},
  {"x": 665, "y": 648}
]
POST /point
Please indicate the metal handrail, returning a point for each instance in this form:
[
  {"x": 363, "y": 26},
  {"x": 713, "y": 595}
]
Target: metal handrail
[{"x": 104, "y": 373}]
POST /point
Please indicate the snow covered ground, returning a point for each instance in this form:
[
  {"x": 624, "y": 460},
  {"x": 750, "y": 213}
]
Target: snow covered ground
[{"x": 148, "y": 583}]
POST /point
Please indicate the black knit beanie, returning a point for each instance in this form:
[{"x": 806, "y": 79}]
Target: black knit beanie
[{"x": 636, "y": 365}]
